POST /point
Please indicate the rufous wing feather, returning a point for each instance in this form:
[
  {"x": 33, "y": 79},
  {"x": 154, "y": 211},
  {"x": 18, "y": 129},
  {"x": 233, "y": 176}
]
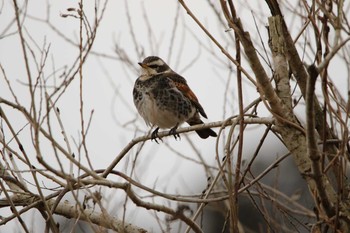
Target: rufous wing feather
[{"x": 186, "y": 91}]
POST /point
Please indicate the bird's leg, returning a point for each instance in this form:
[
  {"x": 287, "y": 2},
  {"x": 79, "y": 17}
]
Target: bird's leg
[
  {"x": 154, "y": 135},
  {"x": 174, "y": 133}
]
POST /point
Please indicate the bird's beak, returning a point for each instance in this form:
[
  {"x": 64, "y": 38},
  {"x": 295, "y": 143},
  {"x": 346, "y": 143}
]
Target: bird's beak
[{"x": 143, "y": 65}]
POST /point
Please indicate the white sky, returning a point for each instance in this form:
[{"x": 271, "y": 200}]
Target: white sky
[{"x": 108, "y": 83}]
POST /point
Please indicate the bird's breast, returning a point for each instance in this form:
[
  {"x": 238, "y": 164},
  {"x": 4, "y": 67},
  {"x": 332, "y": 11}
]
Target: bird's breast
[{"x": 162, "y": 105}]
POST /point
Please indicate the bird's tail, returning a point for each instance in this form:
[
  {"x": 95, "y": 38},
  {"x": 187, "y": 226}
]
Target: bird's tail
[{"x": 203, "y": 133}]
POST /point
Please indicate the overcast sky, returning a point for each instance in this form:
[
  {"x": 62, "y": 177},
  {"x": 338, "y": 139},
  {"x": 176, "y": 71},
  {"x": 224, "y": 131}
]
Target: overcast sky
[{"x": 108, "y": 82}]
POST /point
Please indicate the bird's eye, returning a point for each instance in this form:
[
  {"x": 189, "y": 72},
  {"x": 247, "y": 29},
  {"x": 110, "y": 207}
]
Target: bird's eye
[{"x": 153, "y": 66}]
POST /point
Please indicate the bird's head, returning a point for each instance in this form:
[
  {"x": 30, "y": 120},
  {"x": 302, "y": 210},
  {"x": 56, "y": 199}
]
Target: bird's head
[{"x": 153, "y": 65}]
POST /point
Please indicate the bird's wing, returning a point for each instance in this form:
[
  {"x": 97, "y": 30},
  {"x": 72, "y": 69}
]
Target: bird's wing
[{"x": 181, "y": 85}]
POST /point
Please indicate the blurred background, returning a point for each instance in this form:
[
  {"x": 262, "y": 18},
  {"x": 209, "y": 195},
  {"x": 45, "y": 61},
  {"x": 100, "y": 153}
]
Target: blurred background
[{"x": 127, "y": 32}]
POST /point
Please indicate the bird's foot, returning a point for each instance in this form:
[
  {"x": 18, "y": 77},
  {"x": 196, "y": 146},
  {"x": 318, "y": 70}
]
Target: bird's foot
[
  {"x": 154, "y": 135},
  {"x": 174, "y": 133}
]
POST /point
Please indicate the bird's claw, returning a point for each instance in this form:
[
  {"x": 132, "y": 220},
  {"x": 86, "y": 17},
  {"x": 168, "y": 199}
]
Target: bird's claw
[
  {"x": 154, "y": 135},
  {"x": 174, "y": 133}
]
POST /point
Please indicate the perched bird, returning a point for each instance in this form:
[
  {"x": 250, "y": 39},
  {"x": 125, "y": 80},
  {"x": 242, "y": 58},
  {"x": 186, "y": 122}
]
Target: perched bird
[{"x": 163, "y": 99}]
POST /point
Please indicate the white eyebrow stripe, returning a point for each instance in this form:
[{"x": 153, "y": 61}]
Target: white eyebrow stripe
[{"x": 157, "y": 62}]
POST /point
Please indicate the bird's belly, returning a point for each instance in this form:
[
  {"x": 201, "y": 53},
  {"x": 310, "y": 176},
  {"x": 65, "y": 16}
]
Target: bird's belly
[
  {"x": 166, "y": 119},
  {"x": 154, "y": 114}
]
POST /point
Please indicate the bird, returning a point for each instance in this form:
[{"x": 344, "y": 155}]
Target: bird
[{"x": 164, "y": 100}]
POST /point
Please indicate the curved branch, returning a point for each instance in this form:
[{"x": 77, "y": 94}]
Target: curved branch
[
  {"x": 312, "y": 149},
  {"x": 222, "y": 124}
]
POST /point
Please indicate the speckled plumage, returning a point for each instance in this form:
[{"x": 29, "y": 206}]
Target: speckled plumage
[{"x": 163, "y": 98}]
